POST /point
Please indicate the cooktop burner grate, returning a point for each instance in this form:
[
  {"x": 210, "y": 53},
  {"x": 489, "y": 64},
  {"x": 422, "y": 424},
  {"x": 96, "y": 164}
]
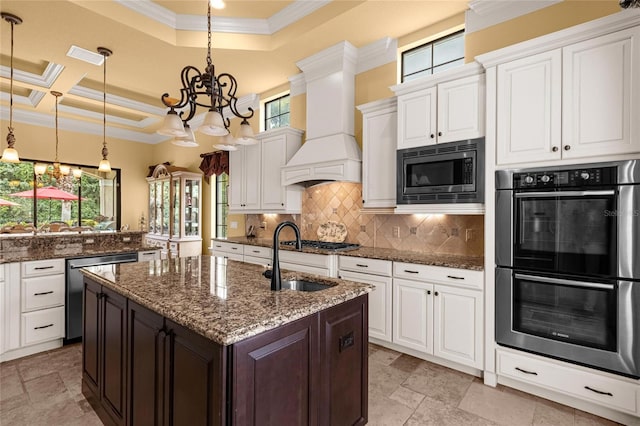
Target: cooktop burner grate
[{"x": 323, "y": 245}]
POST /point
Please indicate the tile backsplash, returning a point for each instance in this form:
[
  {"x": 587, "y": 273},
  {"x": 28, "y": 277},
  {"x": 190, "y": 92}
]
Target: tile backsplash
[{"x": 342, "y": 202}]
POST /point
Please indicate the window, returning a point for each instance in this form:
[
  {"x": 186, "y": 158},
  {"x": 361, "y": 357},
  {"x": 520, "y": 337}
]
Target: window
[
  {"x": 222, "y": 205},
  {"x": 91, "y": 201},
  {"x": 430, "y": 58},
  {"x": 276, "y": 113}
]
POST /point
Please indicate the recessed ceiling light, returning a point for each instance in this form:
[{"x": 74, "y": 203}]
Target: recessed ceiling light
[{"x": 85, "y": 55}]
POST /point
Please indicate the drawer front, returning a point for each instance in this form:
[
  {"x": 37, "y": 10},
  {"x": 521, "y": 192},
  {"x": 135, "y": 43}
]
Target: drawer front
[
  {"x": 307, "y": 259},
  {"x": 233, "y": 256},
  {"x": 602, "y": 390},
  {"x": 257, "y": 260},
  {"x": 221, "y": 246},
  {"x": 366, "y": 266},
  {"x": 305, "y": 268},
  {"x": 41, "y": 326},
  {"x": 257, "y": 251},
  {"x": 148, "y": 255},
  {"x": 42, "y": 267},
  {"x": 42, "y": 292},
  {"x": 437, "y": 274}
]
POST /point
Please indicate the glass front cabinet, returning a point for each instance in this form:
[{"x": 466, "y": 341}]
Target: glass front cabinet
[{"x": 175, "y": 211}]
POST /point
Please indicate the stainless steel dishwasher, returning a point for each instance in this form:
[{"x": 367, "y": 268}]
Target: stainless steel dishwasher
[{"x": 75, "y": 286}]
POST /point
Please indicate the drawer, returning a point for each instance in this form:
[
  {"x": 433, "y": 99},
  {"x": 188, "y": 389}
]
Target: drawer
[
  {"x": 604, "y": 390},
  {"x": 148, "y": 255},
  {"x": 364, "y": 265},
  {"x": 41, "y": 326},
  {"x": 42, "y": 267},
  {"x": 42, "y": 292},
  {"x": 438, "y": 274},
  {"x": 221, "y": 246},
  {"x": 257, "y": 251},
  {"x": 264, "y": 261},
  {"x": 323, "y": 272},
  {"x": 307, "y": 259},
  {"x": 233, "y": 256}
]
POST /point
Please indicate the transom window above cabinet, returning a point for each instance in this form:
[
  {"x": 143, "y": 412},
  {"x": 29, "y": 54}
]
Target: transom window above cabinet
[{"x": 444, "y": 108}]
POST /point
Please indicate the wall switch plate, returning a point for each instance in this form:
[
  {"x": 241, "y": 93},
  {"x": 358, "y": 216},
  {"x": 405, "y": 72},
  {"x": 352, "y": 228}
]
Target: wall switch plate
[
  {"x": 455, "y": 232},
  {"x": 263, "y": 225},
  {"x": 363, "y": 228},
  {"x": 413, "y": 230},
  {"x": 470, "y": 234},
  {"x": 233, "y": 225},
  {"x": 396, "y": 231},
  {"x": 126, "y": 239}
]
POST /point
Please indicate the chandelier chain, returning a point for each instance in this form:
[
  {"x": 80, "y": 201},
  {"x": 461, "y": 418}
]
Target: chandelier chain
[
  {"x": 56, "y": 160},
  {"x": 104, "y": 106},
  {"x": 209, "y": 61},
  {"x": 11, "y": 84}
]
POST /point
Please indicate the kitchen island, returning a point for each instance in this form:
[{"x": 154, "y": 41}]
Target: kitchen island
[{"x": 203, "y": 340}]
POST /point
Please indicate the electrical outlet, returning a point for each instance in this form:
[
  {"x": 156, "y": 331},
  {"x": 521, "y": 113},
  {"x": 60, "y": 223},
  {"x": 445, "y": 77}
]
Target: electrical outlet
[
  {"x": 470, "y": 234},
  {"x": 413, "y": 230},
  {"x": 233, "y": 225},
  {"x": 263, "y": 225},
  {"x": 335, "y": 211},
  {"x": 396, "y": 231},
  {"x": 363, "y": 228},
  {"x": 454, "y": 232}
]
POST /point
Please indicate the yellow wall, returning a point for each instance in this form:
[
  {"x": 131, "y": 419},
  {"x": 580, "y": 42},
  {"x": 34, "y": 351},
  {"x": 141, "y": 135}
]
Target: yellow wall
[{"x": 553, "y": 18}]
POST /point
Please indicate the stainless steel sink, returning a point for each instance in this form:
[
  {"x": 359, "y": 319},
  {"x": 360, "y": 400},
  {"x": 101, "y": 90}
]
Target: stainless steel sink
[{"x": 304, "y": 285}]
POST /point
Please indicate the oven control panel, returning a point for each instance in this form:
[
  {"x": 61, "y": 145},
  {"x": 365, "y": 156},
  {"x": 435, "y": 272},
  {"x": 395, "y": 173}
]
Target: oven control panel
[{"x": 565, "y": 178}]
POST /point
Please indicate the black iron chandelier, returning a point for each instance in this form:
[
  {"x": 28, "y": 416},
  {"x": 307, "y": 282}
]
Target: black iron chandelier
[
  {"x": 626, "y": 4},
  {"x": 205, "y": 89}
]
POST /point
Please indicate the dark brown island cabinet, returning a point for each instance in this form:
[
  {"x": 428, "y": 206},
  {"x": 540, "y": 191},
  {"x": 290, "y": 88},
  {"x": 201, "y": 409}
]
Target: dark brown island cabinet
[{"x": 140, "y": 368}]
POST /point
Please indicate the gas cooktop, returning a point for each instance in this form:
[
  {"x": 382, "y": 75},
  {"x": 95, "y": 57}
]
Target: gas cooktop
[{"x": 323, "y": 245}]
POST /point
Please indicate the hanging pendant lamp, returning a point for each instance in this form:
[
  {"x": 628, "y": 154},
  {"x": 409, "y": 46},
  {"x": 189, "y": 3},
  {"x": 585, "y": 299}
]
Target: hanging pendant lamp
[
  {"x": 58, "y": 170},
  {"x": 10, "y": 154},
  {"x": 104, "y": 166}
]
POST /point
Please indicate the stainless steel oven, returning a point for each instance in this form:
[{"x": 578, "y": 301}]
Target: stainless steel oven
[
  {"x": 441, "y": 173},
  {"x": 568, "y": 263}
]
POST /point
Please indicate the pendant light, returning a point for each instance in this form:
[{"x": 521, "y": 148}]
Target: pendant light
[
  {"x": 10, "y": 154},
  {"x": 104, "y": 163}
]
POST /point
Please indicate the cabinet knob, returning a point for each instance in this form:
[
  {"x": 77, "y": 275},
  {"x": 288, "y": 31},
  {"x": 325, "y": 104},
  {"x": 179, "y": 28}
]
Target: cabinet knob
[
  {"x": 432, "y": 135},
  {"x": 554, "y": 149},
  {"x": 439, "y": 133},
  {"x": 567, "y": 147},
  {"x": 436, "y": 293}
]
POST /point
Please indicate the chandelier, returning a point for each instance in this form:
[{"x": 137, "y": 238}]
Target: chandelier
[
  {"x": 625, "y": 4},
  {"x": 10, "y": 154},
  {"x": 57, "y": 171},
  {"x": 205, "y": 89}
]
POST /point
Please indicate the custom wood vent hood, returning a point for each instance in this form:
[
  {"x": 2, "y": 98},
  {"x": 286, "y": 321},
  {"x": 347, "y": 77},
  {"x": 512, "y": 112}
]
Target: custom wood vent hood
[{"x": 330, "y": 152}]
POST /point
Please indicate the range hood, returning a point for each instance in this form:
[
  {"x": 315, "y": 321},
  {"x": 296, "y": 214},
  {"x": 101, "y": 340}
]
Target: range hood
[{"x": 330, "y": 152}]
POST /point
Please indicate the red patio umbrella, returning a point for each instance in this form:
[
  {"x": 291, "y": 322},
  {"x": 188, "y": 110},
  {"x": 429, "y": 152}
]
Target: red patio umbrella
[
  {"x": 48, "y": 192},
  {"x": 7, "y": 203}
]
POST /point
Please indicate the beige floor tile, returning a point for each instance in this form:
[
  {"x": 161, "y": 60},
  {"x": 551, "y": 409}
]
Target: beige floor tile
[
  {"x": 384, "y": 356},
  {"x": 45, "y": 387},
  {"x": 35, "y": 366},
  {"x": 587, "y": 419},
  {"x": 385, "y": 379},
  {"x": 14, "y": 402},
  {"x": 407, "y": 363},
  {"x": 501, "y": 407},
  {"x": 407, "y": 397},
  {"x": 437, "y": 413},
  {"x": 384, "y": 411},
  {"x": 553, "y": 414},
  {"x": 10, "y": 384},
  {"x": 438, "y": 382}
]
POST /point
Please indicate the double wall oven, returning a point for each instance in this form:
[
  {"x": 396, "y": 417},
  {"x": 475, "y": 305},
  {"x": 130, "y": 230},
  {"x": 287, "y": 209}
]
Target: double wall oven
[{"x": 568, "y": 263}]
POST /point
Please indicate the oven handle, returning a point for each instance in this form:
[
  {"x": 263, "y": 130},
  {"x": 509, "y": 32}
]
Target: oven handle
[
  {"x": 565, "y": 282},
  {"x": 563, "y": 193}
]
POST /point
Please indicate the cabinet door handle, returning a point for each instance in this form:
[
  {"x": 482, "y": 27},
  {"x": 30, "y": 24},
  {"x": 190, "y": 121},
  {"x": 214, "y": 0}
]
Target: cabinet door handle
[
  {"x": 411, "y": 272},
  {"x": 218, "y": 246},
  {"x": 51, "y": 325},
  {"x": 234, "y": 248},
  {"x": 39, "y": 268},
  {"x": 567, "y": 147},
  {"x": 598, "y": 392},
  {"x": 362, "y": 265},
  {"x": 43, "y": 293},
  {"x": 453, "y": 277},
  {"x": 256, "y": 251},
  {"x": 432, "y": 136},
  {"x": 554, "y": 149},
  {"x": 533, "y": 373},
  {"x": 439, "y": 133}
]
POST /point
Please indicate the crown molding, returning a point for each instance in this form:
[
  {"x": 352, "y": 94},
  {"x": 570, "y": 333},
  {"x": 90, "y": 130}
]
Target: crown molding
[
  {"x": 111, "y": 118},
  {"x": 378, "y": 53},
  {"x": 96, "y": 95},
  {"x": 297, "y": 85},
  {"x": 281, "y": 19},
  {"x": 46, "y": 79},
  {"x": 342, "y": 56},
  {"x": 45, "y": 120},
  {"x": 32, "y": 100},
  {"x": 486, "y": 13}
]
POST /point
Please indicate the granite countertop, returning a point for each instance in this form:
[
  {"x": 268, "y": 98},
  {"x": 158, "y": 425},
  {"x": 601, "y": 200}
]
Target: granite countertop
[
  {"x": 475, "y": 263},
  {"x": 223, "y": 300},
  {"x": 65, "y": 253}
]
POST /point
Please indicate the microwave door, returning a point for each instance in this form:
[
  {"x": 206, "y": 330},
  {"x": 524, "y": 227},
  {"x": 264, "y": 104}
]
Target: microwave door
[{"x": 439, "y": 173}]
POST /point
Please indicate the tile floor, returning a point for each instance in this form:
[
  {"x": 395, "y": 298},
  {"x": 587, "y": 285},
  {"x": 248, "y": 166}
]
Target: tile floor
[{"x": 45, "y": 389}]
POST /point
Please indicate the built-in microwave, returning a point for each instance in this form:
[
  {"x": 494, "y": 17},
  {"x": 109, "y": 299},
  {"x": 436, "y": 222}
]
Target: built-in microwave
[{"x": 441, "y": 173}]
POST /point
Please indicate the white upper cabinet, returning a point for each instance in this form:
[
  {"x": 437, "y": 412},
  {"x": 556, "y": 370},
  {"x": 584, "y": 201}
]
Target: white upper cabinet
[
  {"x": 244, "y": 178},
  {"x": 445, "y": 107},
  {"x": 379, "y": 135},
  {"x": 528, "y": 108},
  {"x": 601, "y": 95},
  {"x": 568, "y": 95}
]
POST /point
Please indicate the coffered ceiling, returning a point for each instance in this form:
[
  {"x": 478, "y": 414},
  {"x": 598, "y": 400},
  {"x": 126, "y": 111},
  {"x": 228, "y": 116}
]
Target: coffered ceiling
[{"x": 258, "y": 42}]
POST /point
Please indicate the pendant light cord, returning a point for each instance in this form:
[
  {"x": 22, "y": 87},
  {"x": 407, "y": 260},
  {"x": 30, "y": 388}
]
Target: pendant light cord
[
  {"x": 104, "y": 110},
  {"x": 56, "y": 160},
  {"x": 11, "y": 85}
]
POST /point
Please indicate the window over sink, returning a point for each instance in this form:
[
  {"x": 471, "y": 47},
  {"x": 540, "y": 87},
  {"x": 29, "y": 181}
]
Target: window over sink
[{"x": 62, "y": 203}]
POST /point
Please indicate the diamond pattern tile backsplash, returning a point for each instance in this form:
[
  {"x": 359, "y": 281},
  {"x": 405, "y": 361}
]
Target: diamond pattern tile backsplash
[{"x": 342, "y": 202}]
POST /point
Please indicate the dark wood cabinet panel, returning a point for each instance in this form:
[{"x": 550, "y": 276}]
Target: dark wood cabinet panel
[
  {"x": 196, "y": 369},
  {"x": 90, "y": 340},
  {"x": 146, "y": 360},
  {"x": 274, "y": 376},
  {"x": 343, "y": 363},
  {"x": 114, "y": 352}
]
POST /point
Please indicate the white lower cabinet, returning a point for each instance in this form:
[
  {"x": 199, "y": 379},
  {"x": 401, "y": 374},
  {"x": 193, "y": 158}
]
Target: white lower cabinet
[
  {"x": 445, "y": 321},
  {"x": 310, "y": 263},
  {"x": 600, "y": 388},
  {"x": 378, "y": 274},
  {"x": 257, "y": 255},
  {"x": 42, "y": 326},
  {"x": 232, "y": 251}
]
